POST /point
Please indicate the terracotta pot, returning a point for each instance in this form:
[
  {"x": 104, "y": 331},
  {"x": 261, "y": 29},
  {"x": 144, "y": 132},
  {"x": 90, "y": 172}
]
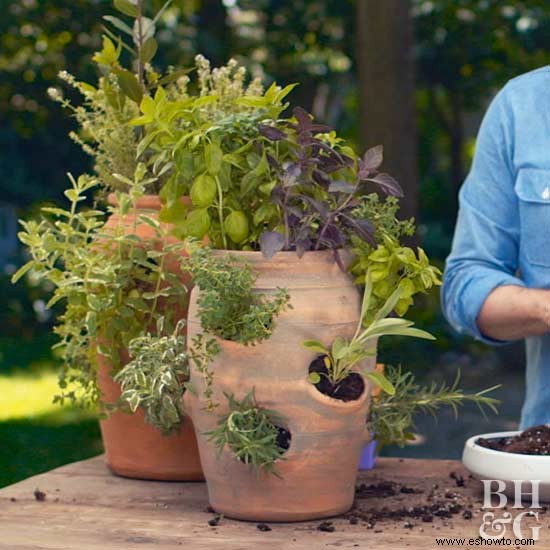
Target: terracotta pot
[
  {"x": 318, "y": 473},
  {"x": 134, "y": 448}
]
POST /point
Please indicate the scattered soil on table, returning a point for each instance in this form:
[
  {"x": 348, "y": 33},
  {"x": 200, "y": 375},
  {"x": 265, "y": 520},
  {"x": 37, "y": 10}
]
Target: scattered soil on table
[
  {"x": 383, "y": 489},
  {"x": 459, "y": 480},
  {"x": 423, "y": 504},
  {"x": 263, "y": 527},
  {"x": 39, "y": 495},
  {"x": 533, "y": 441},
  {"x": 349, "y": 389},
  {"x": 326, "y": 526},
  {"x": 214, "y": 521}
]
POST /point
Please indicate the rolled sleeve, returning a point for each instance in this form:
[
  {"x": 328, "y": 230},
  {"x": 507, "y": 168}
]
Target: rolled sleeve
[{"x": 484, "y": 255}]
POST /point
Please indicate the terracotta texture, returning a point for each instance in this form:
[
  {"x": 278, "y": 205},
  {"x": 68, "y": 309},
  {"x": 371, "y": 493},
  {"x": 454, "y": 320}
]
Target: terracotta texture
[
  {"x": 319, "y": 471},
  {"x": 133, "y": 448}
]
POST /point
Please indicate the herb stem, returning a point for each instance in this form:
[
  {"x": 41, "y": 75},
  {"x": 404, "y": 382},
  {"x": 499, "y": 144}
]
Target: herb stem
[
  {"x": 139, "y": 7},
  {"x": 220, "y": 212}
]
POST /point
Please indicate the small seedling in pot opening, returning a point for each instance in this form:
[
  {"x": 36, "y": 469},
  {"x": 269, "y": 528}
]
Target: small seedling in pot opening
[{"x": 344, "y": 354}]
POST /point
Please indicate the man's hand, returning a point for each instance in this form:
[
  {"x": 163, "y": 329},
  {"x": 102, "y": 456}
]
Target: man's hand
[{"x": 514, "y": 312}]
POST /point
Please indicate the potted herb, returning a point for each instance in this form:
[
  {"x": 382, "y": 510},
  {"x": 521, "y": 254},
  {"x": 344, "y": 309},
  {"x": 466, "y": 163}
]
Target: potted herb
[
  {"x": 114, "y": 269},
  {"x": 113, "y": 285},
  {"x": 281, "y": 418},
  {"x": 310, "y": 400},
  {"x": 292, "y": 217},
  {"x": 134, "y": 177}
]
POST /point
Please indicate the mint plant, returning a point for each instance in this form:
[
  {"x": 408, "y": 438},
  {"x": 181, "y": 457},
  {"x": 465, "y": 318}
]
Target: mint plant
[{"x": 154, "y": 377}]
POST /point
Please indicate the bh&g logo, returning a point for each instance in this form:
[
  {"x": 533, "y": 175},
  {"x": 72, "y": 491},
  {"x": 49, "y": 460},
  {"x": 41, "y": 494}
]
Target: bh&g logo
[{"x": 495, "y": 525}]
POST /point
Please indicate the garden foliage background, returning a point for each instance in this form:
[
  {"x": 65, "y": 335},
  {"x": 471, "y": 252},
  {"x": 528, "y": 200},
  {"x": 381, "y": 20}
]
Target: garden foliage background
[{"x": 415, "y": 75}]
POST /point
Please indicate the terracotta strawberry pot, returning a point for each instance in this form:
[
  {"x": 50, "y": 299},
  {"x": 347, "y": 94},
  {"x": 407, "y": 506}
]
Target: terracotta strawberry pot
[
  {"x": 318, "y": 473},
  {"x": 134, "y": 448}
]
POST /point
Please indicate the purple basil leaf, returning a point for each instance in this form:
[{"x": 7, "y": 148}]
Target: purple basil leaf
[
  {"x": 306, "y": 124},
  {"x": 302, "y": 246},
  {"x": 273, "y": 163},
  {"x": 373, "y": 158},
  {"x": 321, "y": 178},
  {"x": 271, "y": 133},
  {"x": 302, "y": 116},
  {"x": 363, "y": 173},
  {"x": 319, "y": 206},
  {"x": 362, "y": 228},
  {"x": 339, "y": 260},
  {"x": 291, "y": 174},
  {"x": 388, "y": 184},
  {"x": 341, "y": 187},
  {"x": 271, "y": 242},
  {"x": 332, "y": 237}
]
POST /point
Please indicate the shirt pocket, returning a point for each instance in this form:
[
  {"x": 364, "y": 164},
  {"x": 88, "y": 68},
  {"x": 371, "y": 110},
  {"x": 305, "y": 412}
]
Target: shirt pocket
[{"x": 532, "y": 188}]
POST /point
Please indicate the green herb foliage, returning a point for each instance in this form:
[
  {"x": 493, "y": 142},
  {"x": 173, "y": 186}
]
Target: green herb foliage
[
  {"x": 344, "y": 354},
  {"x": 203, "y": 142},
  {"x": 249, "y": 433},
  {"x": 390, "y": 264},
  {"x": 153, "y": 379},
  {"x": 108, "y": 282},
  {"x": 228, "y": 305},
  {"x": 108, "y": 106},
  {"x": 201, "y": 353},
  {"x": 391, "y": 418}
]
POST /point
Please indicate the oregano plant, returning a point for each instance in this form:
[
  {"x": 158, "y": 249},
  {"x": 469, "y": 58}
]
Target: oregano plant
[{"x": 109, "y": 284}]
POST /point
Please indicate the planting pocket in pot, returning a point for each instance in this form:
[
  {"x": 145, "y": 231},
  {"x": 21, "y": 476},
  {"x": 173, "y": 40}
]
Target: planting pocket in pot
[{"x": 533, "y": 191}]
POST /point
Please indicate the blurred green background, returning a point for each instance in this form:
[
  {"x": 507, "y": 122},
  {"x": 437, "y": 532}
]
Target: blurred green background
[{"x": 415, "y": 75}]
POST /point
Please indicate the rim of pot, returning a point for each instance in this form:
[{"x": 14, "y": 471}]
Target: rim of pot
[
  {"x": 339, "y": 406},
  {"x": 283, "y": 255},
  {"x": 148, "y": 202}
]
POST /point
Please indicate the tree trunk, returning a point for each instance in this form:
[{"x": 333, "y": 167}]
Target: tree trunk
[{"x": 385, "y": 71}]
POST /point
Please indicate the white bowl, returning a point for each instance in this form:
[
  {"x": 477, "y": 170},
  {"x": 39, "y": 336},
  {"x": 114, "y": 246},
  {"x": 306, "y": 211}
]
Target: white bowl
[{"x": 485, "y": 463}]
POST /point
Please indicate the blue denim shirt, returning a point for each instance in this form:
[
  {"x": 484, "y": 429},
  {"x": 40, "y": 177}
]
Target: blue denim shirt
[{"x": 503, "y": 230}]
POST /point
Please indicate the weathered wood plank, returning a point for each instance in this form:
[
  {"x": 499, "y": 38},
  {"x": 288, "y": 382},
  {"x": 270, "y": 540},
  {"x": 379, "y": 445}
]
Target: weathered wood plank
[{"x": 88, "y": 508}]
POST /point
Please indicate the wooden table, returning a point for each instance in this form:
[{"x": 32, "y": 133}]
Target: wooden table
[{"x": 86, "y": 507}]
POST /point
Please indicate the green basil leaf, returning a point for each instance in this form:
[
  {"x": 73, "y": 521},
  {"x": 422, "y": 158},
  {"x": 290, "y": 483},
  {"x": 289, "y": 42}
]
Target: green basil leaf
[
  {"x": 203, "y": 191},
  {"x": 236, "y": 226},
  {"x": 213, "y": 157}
]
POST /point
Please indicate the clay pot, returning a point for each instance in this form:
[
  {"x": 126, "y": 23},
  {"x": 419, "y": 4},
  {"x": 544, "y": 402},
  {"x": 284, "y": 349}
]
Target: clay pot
[
  {"x": 134, "y": 448},
  {"x": 318, "y": 473}
]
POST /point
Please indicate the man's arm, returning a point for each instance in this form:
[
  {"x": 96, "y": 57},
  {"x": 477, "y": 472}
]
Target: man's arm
[
  {"x": 482, "y": 294},
  {"x": 512, "y": 312}
]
